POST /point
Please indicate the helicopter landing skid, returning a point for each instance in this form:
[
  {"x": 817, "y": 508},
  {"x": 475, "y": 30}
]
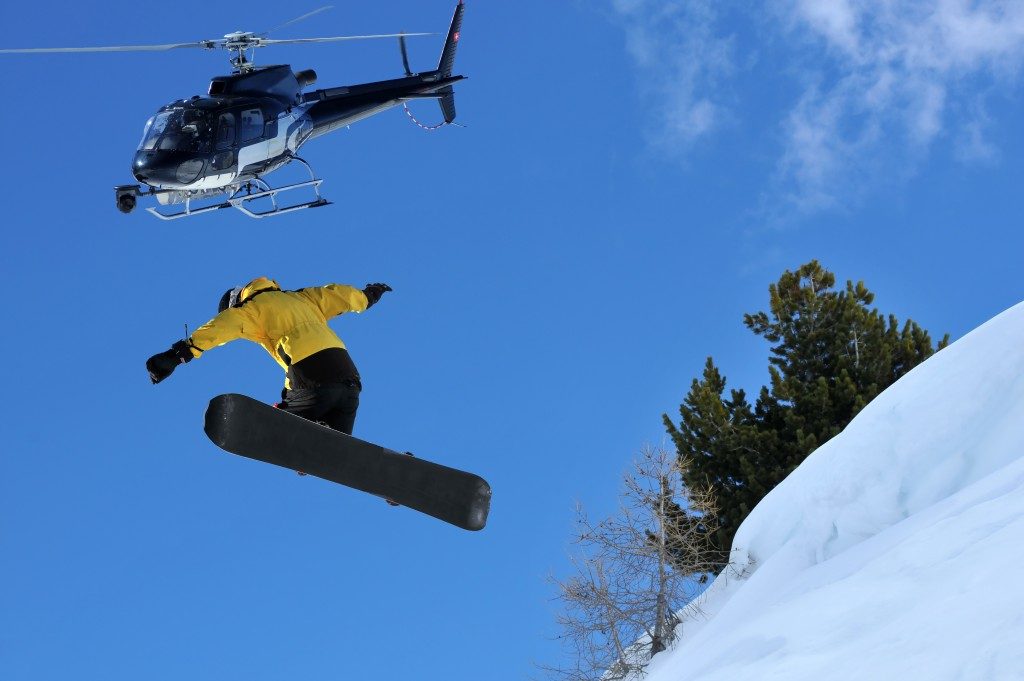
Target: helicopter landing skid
[
  {"x": 239, "y": 201},
  {"x": 240, "y": 196},
  {"x": 245, "y": 194}
]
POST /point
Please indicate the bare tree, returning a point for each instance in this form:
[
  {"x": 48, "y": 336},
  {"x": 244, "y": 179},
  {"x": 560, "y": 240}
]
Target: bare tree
[{"x": 634, "y": 572}]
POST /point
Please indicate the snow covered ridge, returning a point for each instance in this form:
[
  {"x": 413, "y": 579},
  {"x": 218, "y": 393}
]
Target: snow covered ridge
[{"x": 896, "y": 550}]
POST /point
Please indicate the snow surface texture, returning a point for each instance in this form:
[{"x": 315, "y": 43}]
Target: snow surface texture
[{"x": 896, "y": 550}]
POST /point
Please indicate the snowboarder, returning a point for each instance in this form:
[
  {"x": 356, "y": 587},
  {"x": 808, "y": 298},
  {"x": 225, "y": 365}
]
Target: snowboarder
[{"x": 321, "y": 380}]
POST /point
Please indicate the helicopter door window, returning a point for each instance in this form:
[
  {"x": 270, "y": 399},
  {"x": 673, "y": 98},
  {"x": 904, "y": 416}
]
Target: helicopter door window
[
  {"x": 252, "y": 125},
  {"x": 225, "y": 131}
]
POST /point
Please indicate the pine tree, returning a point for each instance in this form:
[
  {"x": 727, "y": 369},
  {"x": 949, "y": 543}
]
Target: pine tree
[{"x": 830, "y": 356}]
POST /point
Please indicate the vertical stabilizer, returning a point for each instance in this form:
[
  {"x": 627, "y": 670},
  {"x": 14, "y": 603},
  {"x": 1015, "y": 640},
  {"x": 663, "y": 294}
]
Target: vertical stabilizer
[
  {"x": 452, "y": 42},
  {"x": 444, "y": 66}
]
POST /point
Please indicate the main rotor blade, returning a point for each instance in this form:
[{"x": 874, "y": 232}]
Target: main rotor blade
[
  {"x": 338, "y": 38},
  {"x": 298, "y": 19},
  {"x": 206, "y": 44}
]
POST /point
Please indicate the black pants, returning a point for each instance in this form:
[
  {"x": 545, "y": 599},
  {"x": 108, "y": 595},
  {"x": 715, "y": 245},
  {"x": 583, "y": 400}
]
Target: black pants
[{"x": 334, "y": 405}]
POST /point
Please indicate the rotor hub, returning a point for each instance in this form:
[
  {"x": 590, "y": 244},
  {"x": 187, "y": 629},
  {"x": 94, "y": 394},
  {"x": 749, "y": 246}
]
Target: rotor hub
[{"x": 241, "y": 40}]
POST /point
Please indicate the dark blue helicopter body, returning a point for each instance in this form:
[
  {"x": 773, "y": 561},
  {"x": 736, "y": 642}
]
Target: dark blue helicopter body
[{"x": 253, "y": 122}]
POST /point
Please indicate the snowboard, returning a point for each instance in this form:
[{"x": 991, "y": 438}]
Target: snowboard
[{"x": 250, "y": 428}]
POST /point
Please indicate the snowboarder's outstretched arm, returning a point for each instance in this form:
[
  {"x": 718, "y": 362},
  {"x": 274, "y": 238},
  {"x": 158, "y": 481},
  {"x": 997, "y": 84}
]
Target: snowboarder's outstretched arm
[
  {"x": 231, "y": 324},
  {"x": 336, "y": 299},
  {"x": 227, "y": 326}
]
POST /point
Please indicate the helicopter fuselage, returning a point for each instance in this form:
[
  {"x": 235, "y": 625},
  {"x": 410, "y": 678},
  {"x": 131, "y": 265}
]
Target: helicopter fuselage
[
  {"x": 207, "y": 143},
  {"x": 252, "y": 123}
]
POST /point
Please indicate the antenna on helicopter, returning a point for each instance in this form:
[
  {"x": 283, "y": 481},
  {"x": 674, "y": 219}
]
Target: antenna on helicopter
[{"x": 405, "y": 54}]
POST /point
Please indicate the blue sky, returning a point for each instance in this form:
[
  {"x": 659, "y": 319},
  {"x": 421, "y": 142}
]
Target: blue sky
[{"x": 632, "y": 177}]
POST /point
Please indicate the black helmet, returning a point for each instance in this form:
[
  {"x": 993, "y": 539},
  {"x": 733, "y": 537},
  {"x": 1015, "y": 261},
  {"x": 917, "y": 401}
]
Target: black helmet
[{"x": 229, "y": 299}]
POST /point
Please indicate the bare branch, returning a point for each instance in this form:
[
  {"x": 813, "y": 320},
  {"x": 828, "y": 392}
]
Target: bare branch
[{"x": 635, "y": 572}]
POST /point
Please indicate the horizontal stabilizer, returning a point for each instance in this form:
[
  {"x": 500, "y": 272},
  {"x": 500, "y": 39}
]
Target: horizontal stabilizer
[{"x": 447, "y": 102}]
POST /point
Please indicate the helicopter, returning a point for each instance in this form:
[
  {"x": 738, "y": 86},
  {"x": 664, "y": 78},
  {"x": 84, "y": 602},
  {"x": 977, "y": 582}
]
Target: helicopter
[{"x": 252, "y": 122}]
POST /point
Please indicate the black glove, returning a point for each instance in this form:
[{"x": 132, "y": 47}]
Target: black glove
[
  {"x": 374, "y": 292},
  {"x": 162, "y": 365}
]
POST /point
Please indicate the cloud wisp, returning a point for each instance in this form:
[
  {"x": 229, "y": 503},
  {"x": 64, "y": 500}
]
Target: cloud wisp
[
  {"x": 879, "y": 82},
  {"x": 685, "y": 63}
]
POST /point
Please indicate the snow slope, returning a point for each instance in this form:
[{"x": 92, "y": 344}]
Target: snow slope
[{"x": 896, "y": 550}]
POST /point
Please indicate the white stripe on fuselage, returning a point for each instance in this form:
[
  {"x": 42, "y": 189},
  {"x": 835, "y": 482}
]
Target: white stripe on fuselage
[{"x": 262, "y": 151}]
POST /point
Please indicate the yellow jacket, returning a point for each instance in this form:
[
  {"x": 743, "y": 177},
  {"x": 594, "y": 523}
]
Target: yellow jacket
[{"x": 290, "y": 325}]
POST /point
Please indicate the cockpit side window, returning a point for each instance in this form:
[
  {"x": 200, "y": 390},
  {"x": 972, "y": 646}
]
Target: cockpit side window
[
  {"x": 177, "y": 130},
  {"x": 252, "y": 125},
  {"x": 225, "y": 131},
  {"x": 145, "y": 132},
  {"x": 154, "y": 128}
]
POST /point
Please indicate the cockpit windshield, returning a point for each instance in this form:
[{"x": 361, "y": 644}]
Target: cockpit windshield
[{"x": 178, "y": 130}]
